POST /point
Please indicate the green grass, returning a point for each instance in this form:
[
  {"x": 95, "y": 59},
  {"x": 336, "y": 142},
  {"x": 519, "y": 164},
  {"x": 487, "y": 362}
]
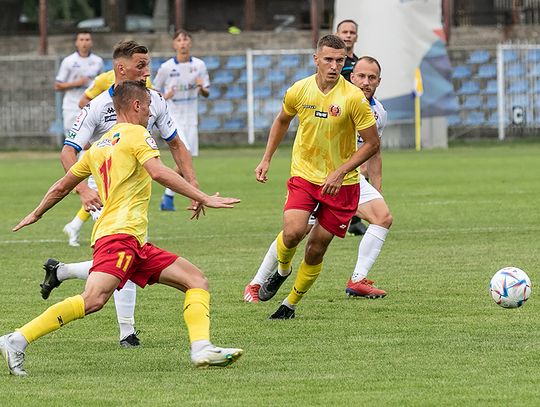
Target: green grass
[{"x": 436, "y": 339}]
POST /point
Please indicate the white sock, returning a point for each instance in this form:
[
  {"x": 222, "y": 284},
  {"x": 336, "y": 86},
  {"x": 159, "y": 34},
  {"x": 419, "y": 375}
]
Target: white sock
[
  {"x": 18, "y": 340},
  {"x": 124, "y": 301},
  {"x": 268, "y": 266},
  {"x": 288, "y": 304},
  {"x": 200, "y": 345},
  {"x": 368, "y": 251},
  {"x": 76, "y": 223},
  {"x": 169, "y": 192},
  {"x": 74, "y": 270}
]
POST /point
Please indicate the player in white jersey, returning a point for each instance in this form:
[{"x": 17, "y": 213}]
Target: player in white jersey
[
  {"x": 181, "y": 80},
  {"x": 371, "y": 207},
  {"x": 131, "y": 62},
  {"x": 76, "y": 72}
]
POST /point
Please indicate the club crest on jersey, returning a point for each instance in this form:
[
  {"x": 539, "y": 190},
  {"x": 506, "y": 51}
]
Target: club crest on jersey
[
  {"x": 334, "y": 110},
  {"x": 152, "y": 143}
]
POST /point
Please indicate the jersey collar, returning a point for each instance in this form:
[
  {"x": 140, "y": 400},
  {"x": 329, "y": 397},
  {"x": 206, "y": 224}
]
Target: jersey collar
[
  {"x": 372, "y": 101},
  {"x": 176, "y": 61},
  {"x": 111, "y": 91}
]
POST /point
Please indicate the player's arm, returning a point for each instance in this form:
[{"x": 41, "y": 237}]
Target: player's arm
[
  {"x": 84, "y": 101},
  {"x": 55, "y": 194},
  {"x": 374, "y": 170},
  {"x": 275, "y": 137},
  {"x": 170, "y": 179},
  {"x": 83, "y": 80},
  {"x": 182, "y": 158}
]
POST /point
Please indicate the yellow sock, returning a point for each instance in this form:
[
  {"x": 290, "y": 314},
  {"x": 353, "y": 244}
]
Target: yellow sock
[
  {"x": 284, "y": 254},
  {"x": 197, "y": 314},
  {"x": 54, "y": 317},
  {"x": 83, "y": 215},
  {"x": 304, "y": 280}
]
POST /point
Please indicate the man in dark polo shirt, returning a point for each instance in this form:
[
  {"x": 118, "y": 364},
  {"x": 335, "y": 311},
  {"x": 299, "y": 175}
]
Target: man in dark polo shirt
[{"x": 347, "y": 30}]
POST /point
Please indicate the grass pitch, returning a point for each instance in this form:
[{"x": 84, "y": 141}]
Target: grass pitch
[{"x": 436, "y": 339}]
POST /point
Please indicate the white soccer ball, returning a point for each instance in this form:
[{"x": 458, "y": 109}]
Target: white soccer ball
[{"x": 510, "y": 287}]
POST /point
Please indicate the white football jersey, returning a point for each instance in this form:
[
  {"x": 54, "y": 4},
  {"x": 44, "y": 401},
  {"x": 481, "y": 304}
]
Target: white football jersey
[
  {"x": 181, "y": 76},
  {"x": 98, "y": 116},
  {"x": 74, "y": 67},
  {"x": 379, "y": 112}
]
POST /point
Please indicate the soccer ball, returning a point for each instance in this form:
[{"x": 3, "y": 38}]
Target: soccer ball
[{"x": 510, "y": 287}]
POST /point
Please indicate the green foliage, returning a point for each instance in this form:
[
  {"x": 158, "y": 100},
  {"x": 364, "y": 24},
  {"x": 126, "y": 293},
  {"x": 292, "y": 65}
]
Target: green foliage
[
  {"x": 70, "y": 10},
  {"x": 436, "y": 339}
]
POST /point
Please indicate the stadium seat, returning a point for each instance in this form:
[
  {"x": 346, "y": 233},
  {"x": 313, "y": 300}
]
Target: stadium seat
[
  {"x": 492, "y": 102},
  {"x": 262, "y": 61},
  {"x": 487, "y": 71},
  {"x": 222, "y": 107},
  {"x": 235, "y": 92},
  {"x": 223, "y": 77},
  {"x": 537, "y": 119},
  {"x": 289, "y": 61},
  {"x": 491, "y": 88},
  {"x": 474, "y": 118},
  {"x": 454, "y": 120},
  {"x": 472, "y": 102},
  {"x": 469, "y": 88},
  {"x": 236, "y": 62},
  {"x": 533, "y": 55},
  {"x": 461, "y": 71},
  {"x": 234, "y": 124},
  {"x": 211, "y": 62},
  {"x": 509, "y": 55},
  {"x": 515, "y": 69},
  {"x": 272, "y": 106},
  {"x": 275, "y": 75},
  {"x": 493, "y": 119},
  {"x": 243, "y": 76},
  {"x": 242, "y": 107},
  {"x": 262, "y": 122},
  {"x": 302, "y": 73},
  {"x": 534, "y": 70},
  {"x": 202, "y": 107},
  {"x": 262, "y": 92},
  {"x": 215, "y": 93},
  {"x": 480, "y": 56},
  {"x": 209, "y": 124},
  {"x": 107, "y": 65},
  {"x": 519, "y": 86}
]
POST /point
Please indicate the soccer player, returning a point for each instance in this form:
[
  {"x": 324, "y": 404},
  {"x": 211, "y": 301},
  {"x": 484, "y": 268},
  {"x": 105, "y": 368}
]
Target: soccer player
[
  {"x": 181, "y": 80},
  {"x": 347, "y": 30},
  {"x": 124, "y": 162},
  {"x": 371, "y": 206},
  {"x": 76, "y": 71},
  {"x": 131, "y": 62},
  {"x": 324, "y": 160}
]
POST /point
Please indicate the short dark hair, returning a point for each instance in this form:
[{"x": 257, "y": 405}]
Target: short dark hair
[
  {"x": 126, "y": 49},
  {"x": 347, "y": 21},
  {"x": 370, "y": 60},
  {"x": 126, "y": 92},
  {"x": 79, "y": 32},
  {"x": 181, "y": 32},
  {"x": 332, "y": 41}
]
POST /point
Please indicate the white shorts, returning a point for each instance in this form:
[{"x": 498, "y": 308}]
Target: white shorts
[
  {"x": 69, "y": 116},
  {"x": 367, "y": 191},
  {"x": 189, "y": 134}
]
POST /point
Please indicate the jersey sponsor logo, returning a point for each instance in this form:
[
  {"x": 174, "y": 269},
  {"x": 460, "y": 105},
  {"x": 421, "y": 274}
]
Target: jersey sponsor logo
[
  {"x": 110, "y": 110},
  {"x": 334, "y": 110},
  {"x": 71, "y": 134},
  {"x": 152, "y": 143},
  {"x": 322, "y": 115},
  {"x": 309, "y": 107},
  {"x": 110, "y": 118},
  {"x": 80, "y": 118},
  {"x": 115, "y": 138},
  {"x": 104, "y": 143}
]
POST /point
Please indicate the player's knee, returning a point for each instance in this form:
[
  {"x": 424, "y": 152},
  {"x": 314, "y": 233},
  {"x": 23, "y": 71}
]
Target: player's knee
[
  {"x": 293, "y": 238},
  {"x": 383, "y": 219},
  {"x": 315, "y": 252},
  {"x": 198, "y": 281},
  {"x": 94, "y": 303}
]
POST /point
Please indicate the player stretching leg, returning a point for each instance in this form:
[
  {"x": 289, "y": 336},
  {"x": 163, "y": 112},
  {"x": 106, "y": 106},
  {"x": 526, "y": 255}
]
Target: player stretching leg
[{"x": 131, "y": 161}]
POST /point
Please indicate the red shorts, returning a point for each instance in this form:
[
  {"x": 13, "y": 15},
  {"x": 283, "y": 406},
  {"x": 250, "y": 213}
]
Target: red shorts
[
  {"x": 122, "y": 256},
  {"x": 334, "y": 212}
]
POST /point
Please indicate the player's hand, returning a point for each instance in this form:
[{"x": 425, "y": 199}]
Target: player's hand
[
  {"x": 169, "y": 94},
  {"x": 199, "y": 82},
  {"x": 84, "y": 80},
  {"x": 28, "y": 220},
  {"x": 197, "y": 210},
  {"x": 90, "y": 199},
  {"x": 261, "y": 171},
  {"x": 332, "y": 184},
  {"x": 216, "y": 201}
]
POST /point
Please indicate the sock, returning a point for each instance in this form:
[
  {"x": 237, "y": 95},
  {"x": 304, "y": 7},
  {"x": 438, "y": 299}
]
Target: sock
[
  {"x": 307, "y": 274},
  {"x": 169, "y": 192},
  {"x": 124, "y": 301},
  {"x": 284, "y": 255},
  {"x": 18, "y": 340},
  {"x": 83, "y": 215},
  {"x": 200, "y": 345},
  {"x": 368, "y": 251},
  {"x": 76, "y": 223},
  {"x": 288, "y": 304},
  {"x": 54, "y": 317},
  {"x": 268, "y": 266},
  {"x": 197, "y": 314},
  {"x": 73, "y": 270}
]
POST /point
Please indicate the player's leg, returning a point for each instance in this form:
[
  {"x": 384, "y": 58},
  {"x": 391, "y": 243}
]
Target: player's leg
[
  {"x": 56, "y": 272},
  {"x": 98, "y": 289},
  {"x": 124, "y": 302},
  {"x": 376, "y": 212},
  {"x": 357, "y": 227},
  {"x": 184, "y": 276},
  {"x": 308, "y": 271}
]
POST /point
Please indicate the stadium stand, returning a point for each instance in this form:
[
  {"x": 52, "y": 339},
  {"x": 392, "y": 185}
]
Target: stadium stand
[
  {"x": 487, "y": 71},
  {"x": 475, "y": 118},
  {"x": 234, "y": 124},
  {"x": 469, "y": 88},
  {"x": 209, "y": 124},
  {"x": 480, "y": 56},
  {"x": 461, "y": 72}
]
